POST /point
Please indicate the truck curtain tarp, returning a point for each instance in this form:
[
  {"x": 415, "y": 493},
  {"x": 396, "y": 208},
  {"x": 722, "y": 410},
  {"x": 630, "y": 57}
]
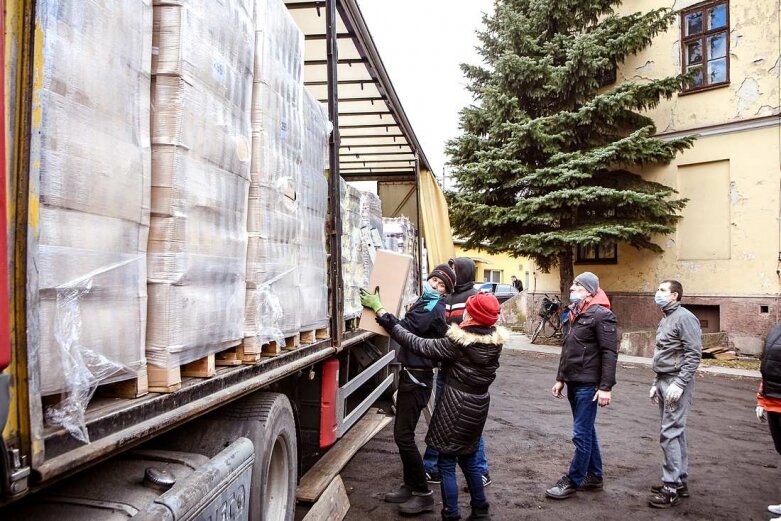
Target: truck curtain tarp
[{"x": 436, "y": 222}]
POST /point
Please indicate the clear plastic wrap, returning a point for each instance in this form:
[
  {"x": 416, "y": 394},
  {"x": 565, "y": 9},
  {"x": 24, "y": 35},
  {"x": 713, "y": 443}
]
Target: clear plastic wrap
[
  {"x": 201, "y": 95},
  {"x": 314, "y": 208},
  {"x": 372, "y": 237},
  {"x": 93, "y": 154},
  {"x": 352, "y": 263},
  {"x": 401, "y": 236},
  {"x": 288, "y": 193}
]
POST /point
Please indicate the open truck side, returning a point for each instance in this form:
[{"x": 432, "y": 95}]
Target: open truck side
[{"x": 232, "y": 445}]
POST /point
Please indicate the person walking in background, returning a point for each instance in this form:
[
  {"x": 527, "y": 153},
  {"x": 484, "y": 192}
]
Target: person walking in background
[
  {"x": 587, "y": 367},
  {"x": 470, "y": 355},
  {"x": 455, "y": 307},
  {"x": 426, "y": 318},
  {"x": 517, "y": 284},
  {"x": 676, "y": 358},
  {"x": 769, "y": 395}
]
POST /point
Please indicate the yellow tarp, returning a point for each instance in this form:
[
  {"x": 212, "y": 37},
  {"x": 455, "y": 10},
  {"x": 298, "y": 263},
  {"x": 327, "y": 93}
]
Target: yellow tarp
[{"x": 436, "y": 223}]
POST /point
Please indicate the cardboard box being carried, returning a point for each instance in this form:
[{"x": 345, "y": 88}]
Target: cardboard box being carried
[{"x": 390, "y": 273}]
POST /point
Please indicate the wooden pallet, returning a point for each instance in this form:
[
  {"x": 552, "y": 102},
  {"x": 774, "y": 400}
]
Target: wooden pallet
[
  {"x": 312, "y": 336},
  {"x": 237, "y": 356},
  {"x": 132, "y": 388},
  {"x": 292, "y": 342},
  {"x": 169, "y": 379}
]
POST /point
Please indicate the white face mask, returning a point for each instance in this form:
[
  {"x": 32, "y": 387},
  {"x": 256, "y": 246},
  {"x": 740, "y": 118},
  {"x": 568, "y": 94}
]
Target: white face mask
[
  {"x": 575, "y": 297},
  {"x": 661, "y": 299}
]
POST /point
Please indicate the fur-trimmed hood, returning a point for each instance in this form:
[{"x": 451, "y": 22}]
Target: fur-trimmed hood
[{"x": 460, "y": 336}]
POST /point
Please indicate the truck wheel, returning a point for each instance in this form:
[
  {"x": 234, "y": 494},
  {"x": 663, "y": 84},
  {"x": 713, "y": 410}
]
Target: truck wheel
[{"x": 275, "y": 471}]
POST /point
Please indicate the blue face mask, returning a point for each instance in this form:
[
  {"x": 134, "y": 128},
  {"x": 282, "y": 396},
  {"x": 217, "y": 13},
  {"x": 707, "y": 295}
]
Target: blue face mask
[
  {"x": 575, "y": 298},
  {"x": 661, "y": 299},
  {"x": 429, "y": 292},
  {"x": 430, "y": 296}
]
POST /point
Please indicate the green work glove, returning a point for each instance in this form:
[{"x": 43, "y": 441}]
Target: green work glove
[{"x": 371, "y": 300}]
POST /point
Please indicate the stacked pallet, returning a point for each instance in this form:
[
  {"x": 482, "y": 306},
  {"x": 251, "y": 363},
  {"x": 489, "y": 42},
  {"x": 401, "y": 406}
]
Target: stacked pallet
[
  {"x": 371, "y": 232},
  {"x": 401, "y": 237},
  {"x": 353, "y": 276},
  {"x": 91, "y": 149},
  {"x": 313, "y": 291},
  {"x": 201, "y": 94},
  {"x": 272, "y": 317}
]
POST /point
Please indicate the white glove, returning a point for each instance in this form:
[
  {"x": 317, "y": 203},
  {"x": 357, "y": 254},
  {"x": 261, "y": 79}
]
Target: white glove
[
  {"x": 761, "y": 414},
  {"x": 673, "y": 394},
  {"x": 653, "y": 394}
]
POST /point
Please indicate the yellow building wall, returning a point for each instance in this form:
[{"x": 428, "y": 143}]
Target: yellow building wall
[
  {"x": 730, "y": 243},
  {"x": 753, "y": 90},
  {"x": 524, "y": 268}
]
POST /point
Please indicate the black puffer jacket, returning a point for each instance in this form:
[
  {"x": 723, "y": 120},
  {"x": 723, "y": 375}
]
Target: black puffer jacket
[
  {"x": 590, "y": 350},
  {"x": 470, "y": 358}
]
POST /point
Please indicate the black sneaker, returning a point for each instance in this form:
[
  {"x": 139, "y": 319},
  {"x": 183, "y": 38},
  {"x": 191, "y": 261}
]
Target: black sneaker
[
  {"x": 563, "y": 489},
  {"x": 433, "y": 477},
  {"x": 667, "y": 497},
  {"x": 682, "y": 489},
  {"x": 419, "y": 503},
  {"x": 592, "y": 482}
]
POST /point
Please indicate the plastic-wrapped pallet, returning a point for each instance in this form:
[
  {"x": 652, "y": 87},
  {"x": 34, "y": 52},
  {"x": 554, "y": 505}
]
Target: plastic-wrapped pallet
[
  {"x": 276, "y": 207},
  {"x": 91, "y": 151},
  {"x": 201, "y": 94},
  {"x": 372, "y": 237},
  {"x": 313, "y": 198},
  {"x": 352, "y": 262},
  {"x": 401, "y": 236}
]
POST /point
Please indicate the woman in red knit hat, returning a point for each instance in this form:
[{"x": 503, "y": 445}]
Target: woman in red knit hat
[{"x": 470, "y": 357}]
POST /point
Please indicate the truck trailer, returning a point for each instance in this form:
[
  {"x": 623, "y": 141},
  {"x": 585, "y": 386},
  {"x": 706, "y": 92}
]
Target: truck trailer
[{"x": 230, "y": 434}]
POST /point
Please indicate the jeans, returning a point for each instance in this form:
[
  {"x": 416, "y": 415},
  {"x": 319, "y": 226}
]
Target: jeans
[
  {"x": 587, "y": 458},
  {"x": 431, "y": 454},
  {"x": 410, "y": 401},
  {"x": 449, "y": 487},
  {"x": 672, "y": 436}
]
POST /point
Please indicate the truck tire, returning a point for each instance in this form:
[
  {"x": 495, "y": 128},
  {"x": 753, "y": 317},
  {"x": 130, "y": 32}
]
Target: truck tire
[{"x": 270, "y": 424}]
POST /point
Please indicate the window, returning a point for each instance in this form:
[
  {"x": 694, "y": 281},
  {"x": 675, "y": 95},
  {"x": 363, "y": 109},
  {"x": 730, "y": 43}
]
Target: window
[
  {"x": 705, "y": 45},
  {"x": 492, "y": 275},
  {"x": 603, "y": 253}
]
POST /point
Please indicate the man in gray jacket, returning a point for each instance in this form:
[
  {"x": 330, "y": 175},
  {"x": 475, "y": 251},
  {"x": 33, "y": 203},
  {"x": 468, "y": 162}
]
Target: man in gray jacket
[{"x": 676, "y": 358}]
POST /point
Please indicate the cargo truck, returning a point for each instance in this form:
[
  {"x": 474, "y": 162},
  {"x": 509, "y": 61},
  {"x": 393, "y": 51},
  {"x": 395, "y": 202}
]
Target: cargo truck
[{"x": 234, "y": 444}]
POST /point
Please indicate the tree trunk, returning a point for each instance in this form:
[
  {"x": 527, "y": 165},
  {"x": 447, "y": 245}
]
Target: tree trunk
[{"x": 566, "y": 273}]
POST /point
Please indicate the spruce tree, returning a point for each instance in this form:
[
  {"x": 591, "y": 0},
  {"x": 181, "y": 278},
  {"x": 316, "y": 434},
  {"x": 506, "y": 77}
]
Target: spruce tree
[{"x": 545, "y": 157}]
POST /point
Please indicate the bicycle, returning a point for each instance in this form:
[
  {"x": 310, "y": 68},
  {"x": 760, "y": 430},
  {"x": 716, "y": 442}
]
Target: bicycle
[{"x": 551, "y": 323}]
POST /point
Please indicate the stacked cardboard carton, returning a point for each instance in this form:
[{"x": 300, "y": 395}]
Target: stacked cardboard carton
[
  {"x": 91, "y": 150},
  {"x": 353, "y": 272},
  {"x": 274, "y": 224},
  {"x": 313, "y": 295},
  {"x": 401, "y": 236},
  {"x": 371, "y": 232},
  {"x": 201, "y": 94}
]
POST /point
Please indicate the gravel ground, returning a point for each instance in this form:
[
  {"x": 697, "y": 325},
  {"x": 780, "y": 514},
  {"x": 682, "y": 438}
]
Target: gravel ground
[{"x": 733, "y": 466}]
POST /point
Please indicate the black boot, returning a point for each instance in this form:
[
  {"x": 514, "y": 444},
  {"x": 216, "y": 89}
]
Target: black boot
[
  {"x": 480, "y": 513},
  {"x": 445, "y": 517},
  {"x": 419, "y": 502},
  {"x": 400, "y": 496}
]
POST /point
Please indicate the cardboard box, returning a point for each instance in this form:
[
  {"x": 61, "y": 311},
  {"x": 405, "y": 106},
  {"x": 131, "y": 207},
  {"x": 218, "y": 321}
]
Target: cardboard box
[{"x": 390, "y": 273}]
